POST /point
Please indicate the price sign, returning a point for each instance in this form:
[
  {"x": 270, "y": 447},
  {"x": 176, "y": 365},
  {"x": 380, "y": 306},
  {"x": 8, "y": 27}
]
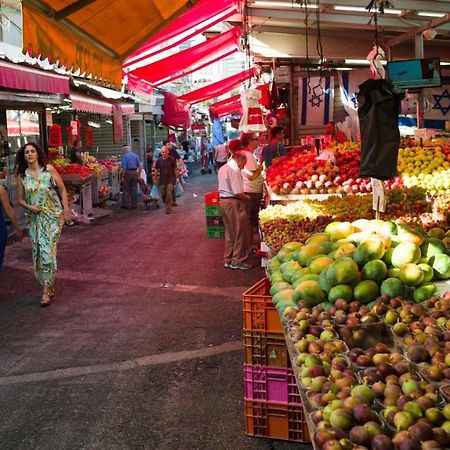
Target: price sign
[
  {"x": 327, "y": 156},
  {"x": 379, "y": 199}
]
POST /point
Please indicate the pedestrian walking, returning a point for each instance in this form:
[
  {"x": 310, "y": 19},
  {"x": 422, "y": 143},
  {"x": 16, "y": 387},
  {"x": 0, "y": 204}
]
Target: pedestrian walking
[
  {"x": 234, "y": 212},
  {"x": 5, "y": 206},
  {"x": 39, "y": 191},
  {"x": 167, "y": 177},
  {"x": 130, "y": 173}
]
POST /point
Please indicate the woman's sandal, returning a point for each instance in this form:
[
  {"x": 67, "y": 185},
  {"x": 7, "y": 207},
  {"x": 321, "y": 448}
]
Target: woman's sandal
[{"x": 46, "y": 298}]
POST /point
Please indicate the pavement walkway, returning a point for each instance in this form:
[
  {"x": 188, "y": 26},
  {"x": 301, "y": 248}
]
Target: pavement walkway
[{"x": 141, "y": 348}]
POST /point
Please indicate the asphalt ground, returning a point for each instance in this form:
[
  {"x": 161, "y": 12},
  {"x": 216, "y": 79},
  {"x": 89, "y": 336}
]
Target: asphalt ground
[{"x": 142, "y": 346}]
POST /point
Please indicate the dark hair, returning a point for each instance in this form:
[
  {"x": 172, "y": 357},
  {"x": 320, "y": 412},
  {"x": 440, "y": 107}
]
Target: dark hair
[
  {"x": 21, "y": 164},
  {"x": 275, "y": 131},
  {"x": 165, "y": 142}
]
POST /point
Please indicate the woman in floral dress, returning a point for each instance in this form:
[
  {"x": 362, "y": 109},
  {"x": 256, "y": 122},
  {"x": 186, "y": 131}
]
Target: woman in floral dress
[{"x": 38, "y": 188}]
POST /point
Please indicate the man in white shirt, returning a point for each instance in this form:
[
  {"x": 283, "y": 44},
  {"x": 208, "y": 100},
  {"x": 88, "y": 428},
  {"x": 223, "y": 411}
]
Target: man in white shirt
[
  {"x": 253, "y": 180},
  {"x": 234, "y": 212}
]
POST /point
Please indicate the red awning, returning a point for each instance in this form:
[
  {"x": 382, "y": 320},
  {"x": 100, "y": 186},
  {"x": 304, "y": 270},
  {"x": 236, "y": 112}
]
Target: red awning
[
  {"x": 15, "y": 76},
  {"x": 176, "y": 114},
  {"x": 199, "y": 18},
  {"x": 227, "y": 106},
  {"x": 135, "y": 84},
  {"x": 89, "y": 104},
  {"x": 172, "y": 67},
  {"x": 217, "y": 89}
]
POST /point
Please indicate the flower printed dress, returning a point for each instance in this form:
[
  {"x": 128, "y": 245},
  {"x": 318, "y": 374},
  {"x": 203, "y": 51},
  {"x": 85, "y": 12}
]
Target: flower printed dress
[{"x": 45, "y": 227}]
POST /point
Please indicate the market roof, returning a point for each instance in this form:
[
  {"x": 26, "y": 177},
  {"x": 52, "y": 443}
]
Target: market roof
[
  {"x": 95, "y": 36},
  {"x": 277, "y": 28}
]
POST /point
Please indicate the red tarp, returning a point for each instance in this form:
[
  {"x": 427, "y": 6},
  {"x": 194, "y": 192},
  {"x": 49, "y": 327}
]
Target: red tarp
[
  {"x": 176, "y": 113},
  {"x": 172, "y": 67},
  {"x": 217, "y": 89},
  {"x": 202, "y": 16}
]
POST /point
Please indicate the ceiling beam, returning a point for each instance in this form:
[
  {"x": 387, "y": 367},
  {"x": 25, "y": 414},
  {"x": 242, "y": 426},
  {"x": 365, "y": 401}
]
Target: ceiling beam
[
  {"x": 71, "y": 9},
  {"x": 413, "y": 33}
]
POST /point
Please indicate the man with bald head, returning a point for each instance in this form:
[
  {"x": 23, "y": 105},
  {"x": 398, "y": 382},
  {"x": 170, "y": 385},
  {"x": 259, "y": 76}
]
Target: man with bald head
[{"x": 234, "y": 212}]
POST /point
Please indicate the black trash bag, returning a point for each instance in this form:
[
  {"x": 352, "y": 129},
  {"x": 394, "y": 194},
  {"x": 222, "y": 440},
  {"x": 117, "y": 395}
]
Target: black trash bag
[{"x": 378, "y": 109}]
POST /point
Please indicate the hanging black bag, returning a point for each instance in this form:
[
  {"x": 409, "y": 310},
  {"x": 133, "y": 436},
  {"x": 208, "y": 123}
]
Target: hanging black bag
[{"x": 378, "y": 109}]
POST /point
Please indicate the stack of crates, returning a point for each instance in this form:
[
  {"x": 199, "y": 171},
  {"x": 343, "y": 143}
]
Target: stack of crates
[
  {"x": 273, "y": 407},
  {"x": 214, "y": 221}
]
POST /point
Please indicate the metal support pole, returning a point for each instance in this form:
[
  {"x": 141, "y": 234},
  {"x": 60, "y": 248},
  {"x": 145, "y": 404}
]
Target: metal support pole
[{"x": 420, "y": 108}]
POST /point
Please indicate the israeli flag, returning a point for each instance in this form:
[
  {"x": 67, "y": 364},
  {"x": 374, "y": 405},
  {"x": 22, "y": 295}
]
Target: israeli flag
[
  {"x": 316, "y": 100},
  {"x": 437, "y": 101},
  {"x": 349, "y": 81}
]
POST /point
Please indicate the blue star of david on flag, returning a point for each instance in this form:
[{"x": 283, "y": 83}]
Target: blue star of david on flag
[
  {"x": 438, "y": 105},
  {"x": 354, "y": 100}
]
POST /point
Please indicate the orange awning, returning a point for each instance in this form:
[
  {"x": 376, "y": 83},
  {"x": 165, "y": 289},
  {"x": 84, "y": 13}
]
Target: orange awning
[{"x": 94, "y": 36}]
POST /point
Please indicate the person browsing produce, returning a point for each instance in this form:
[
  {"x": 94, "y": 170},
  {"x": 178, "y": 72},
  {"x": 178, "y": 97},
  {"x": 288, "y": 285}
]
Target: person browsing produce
[
  {"x": 234, "y": 212},
  {"x": 275, "y": 148}
]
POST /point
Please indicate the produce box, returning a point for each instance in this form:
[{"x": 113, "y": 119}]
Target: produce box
[
  {"x": 74, "y": 178},
  {"x": 215, "y": 221},
  {"x": 258, "y": 310},
  {"x": 270, "y": 384},
  {"x": 267, "y": 349},
  {"x": 276, "y": 421},
  {"x": 212, "y": 199},
  {"x": 215, "y": 232},
  {"x": 213, "y": 211}
]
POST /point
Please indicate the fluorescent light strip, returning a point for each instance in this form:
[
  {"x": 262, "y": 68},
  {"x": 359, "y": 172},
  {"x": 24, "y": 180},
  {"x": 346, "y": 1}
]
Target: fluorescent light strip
[
  {"x": 283, "y": 5},
  {"x": 445, "y": 63},
  {"x": 357, "y": 61},
  {"x": 364, "y": 10},
  {"x": 430, "y": 14}
]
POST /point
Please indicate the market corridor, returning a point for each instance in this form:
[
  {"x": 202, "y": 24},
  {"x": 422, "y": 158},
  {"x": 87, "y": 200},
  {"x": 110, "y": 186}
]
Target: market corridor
[{"x": 141, "y": 348}]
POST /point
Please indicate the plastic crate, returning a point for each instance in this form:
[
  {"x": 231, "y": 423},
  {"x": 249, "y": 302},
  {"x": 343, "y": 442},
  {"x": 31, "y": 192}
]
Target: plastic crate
[
  {"x": 215, "y": 222},
  {"x": 259, "y": 312},
  {"x": 270, "y": 384},
  {"x": 212, "y": 199},
  {"x": 276, "y": 421},
  {"x": 266, "y": 349},
  {"x": 213, "y": 211},
  {"x": 215, "y": 232}
]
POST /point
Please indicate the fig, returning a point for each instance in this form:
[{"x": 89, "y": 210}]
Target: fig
[
  {"x": 382, "y": 442},
  {"x": 362, "y": 413},
  {"x": 421, "y": 432},
  {"x": 400, "y": 437},
  {"x": 409, "y": 444},
  {"x": 410, "y": 386},
  {"x": 434, "y": 415},
  {"x": 363, "y": 360},
  {"x": 441, "y": 437},
  {"x": 346, "y": 444},
  {"x": 341, "y": 418},
  {"x": 403, "y": 420},
  {"x": 414, "y": 409},
  {"x": 363, "y": 393},
  {"x": 359, "y": 435},
  {"x": 332, "y": 444},
  {"x": 373, "y": 428},
  {"x": 378, "y": 389},
  {"x": 322, "y": 436},
  {"x": 430, "y": 445}
]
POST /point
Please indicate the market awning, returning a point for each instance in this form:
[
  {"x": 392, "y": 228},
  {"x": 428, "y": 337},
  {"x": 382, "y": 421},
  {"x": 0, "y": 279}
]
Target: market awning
[
  {"x": 203, "y": 15},
  {"x": 225, "y": 107},
  {"x": 176, "y": 114},
  {"x": 198, "y": 56},
  {"x": 15, "y": 76},
  {"x": 219, "y": 88},
  {"x": 95, "y": 36},
  {"x": 93, "y": 105}
]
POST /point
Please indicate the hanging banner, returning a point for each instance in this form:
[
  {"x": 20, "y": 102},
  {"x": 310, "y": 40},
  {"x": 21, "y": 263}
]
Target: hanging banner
[
  {"x": 55, "y": 136},
  {"x": 117, "y": 124},
  {"x": 437, "y": 102},
  {"x": 316, "y": 100},
  {"x": 349, "y": 81},
  {"x": 42, "y": 36},
  {"x": 252, "y": 118}
]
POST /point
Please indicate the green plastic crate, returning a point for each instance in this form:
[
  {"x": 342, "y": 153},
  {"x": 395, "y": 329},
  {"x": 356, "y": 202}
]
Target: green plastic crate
[
  {"x": 212, "y": 211},
  {"x": 215, "y": 232}
]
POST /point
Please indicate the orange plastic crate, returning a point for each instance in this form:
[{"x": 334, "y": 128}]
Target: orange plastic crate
[
  {"x": 266, "y": 349},
  {"x": 212, "y": 199},
  {"x": 259, "y": 312},
  {"x": 276, "y": 421}
]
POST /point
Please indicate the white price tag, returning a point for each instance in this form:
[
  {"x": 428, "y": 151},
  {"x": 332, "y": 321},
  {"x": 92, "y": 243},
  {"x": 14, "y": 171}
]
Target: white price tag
[
  {"x": 327, "y": 156},
  {"x": 379, "y": 199}
]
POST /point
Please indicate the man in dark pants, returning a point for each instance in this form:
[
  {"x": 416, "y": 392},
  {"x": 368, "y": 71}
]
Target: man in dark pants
[
  {"x": 130, "y": 172},
  {"x": 167, "y": 177},
  {"x": 234, "y": 212}
]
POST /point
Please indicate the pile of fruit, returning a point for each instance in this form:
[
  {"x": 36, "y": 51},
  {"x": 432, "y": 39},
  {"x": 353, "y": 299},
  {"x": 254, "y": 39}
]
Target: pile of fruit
[
  {"x": 359, "y": 261},
  {"x": 108, "y": 164},
  {"x": 92, "y": 164},
  {"x": 372, "y": 396},
  {"x": 55, "y": 153},
  {"x": 426, "y": 167},
  {"x": 104, "y": 191},
  {"x": 73, "y": 169},
  {"x": 298, "y": 172},
  {"x": 297, "y": 221}
]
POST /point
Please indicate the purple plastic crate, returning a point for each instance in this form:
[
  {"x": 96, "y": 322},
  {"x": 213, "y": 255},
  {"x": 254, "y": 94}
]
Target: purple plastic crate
[{"x": 270, "y": 384}]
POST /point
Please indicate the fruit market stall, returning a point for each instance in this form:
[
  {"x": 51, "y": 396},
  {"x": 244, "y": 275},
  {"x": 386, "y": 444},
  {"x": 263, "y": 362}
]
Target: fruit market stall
[{"x": 366, "y": 330}]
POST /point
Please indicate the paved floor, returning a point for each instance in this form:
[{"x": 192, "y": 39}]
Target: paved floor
[{"x": 141, "y": 348}]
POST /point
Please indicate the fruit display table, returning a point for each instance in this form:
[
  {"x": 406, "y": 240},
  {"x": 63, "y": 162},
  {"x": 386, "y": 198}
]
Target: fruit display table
[
  {"x": 99, "y": 182},
  {"x": 272, "y": 198},
  {"x": 81, "y": 185}
]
